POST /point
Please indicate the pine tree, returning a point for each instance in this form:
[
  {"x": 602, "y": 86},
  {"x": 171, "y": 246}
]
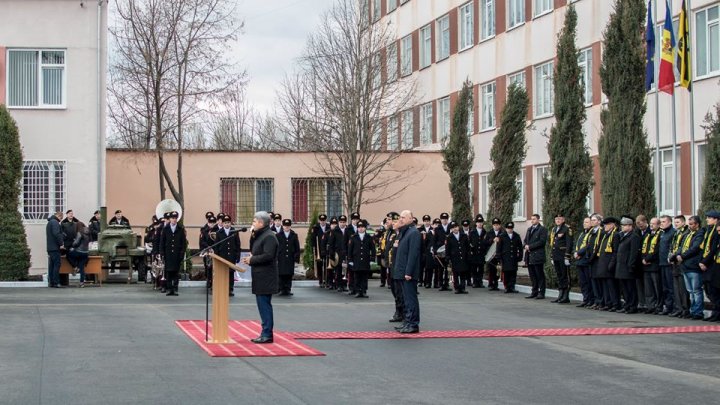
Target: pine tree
[
  {"x": 566, "y": 188},
  {"x": 14, "y": 251},
  {"x": 458, "y": 156},
  {"x": 308, "y": 257},
  {"x": 710, "y": 195},
  {"x": 507, "y": 154},
  {"x": 626, "y": 178}
]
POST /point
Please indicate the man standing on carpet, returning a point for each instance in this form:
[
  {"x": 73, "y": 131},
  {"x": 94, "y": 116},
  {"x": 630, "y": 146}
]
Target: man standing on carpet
[
  {"x": 407, "y": 266},
  {"x": 263, "y": 260}
]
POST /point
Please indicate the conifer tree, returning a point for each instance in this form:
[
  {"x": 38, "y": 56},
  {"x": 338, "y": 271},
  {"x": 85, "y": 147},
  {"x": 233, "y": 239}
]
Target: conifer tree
[
  {"x": 508, "y": 151},
  {"x": 458, "y": 156},
  {"x": 710, "y": 195},
  {"x": 627, "y": 182},
  {"x": 308, "y": 257},
  {"x": 14, "y": 251},
  {"x": 570, "y": 180}
]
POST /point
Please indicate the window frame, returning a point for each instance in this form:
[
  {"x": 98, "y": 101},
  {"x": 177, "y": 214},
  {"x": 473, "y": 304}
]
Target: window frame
[
  {"x": 488, "y": 125},
  {"x": 40, "y": 81},
  {"x": 426, "y": 131},
  {"x": 510, "y": 8},
  {"x": 392, "y": 56},
  {"x": 586, "y": 70},
  {"x": 325, "y": 197},
  {"x": 466, "y": 34},
  {"x": 406, "y": 134},
  {"x": 443, "y": 116},
  {"x": 540, "y": 171},
  {"x": 549, "y": 109},
  {"x": 443, "y": 36},
  {"x": 392, "y": 133},
  {"x": 511, "y": 79},
  {"x": 541, "y": 11},
  {"x": 425, "y": 46},
  {"x": 520, "y": 183},
  {"x": 37, "y": 217},
  {"x": 406, "y": 68},
  {"x": 487, "y": 31},
  {"x": 706, "y": 41}
]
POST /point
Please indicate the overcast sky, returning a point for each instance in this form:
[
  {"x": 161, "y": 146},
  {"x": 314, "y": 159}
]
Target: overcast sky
[{"x": 275, "y": 35}]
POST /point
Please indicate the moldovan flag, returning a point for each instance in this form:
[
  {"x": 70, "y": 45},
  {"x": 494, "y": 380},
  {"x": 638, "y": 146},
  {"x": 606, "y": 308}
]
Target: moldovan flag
[
  {"x": 666, "y": 81},
  {"x": 684, "y": 49}
]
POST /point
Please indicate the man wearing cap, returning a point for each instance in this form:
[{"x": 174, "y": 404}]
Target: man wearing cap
[
  {"x": 342, "y": 237},
  {"x": 361, "y": 252},
  {"x": 605, "y": 269},
  {"x": 709, "y": 248},
  {"x": 318, "y": 231},
  {"x": 160, "y": 281},
  {"x": 54, "y": 239},
  {"x": 94, "y": 225},
  {"x": 441, "y": 234},
  {"x": 583, "y": 243},
  {"x": 208, "y": 236},
  {"x": 494, "y": 238},
  {"x": 380, "y": 244},
  {"x": 664, "y": 248},
  {"x": 478, "y": 249},
  {"x": 348, "y": 232},
  {"x": 328, "y": 241},
  {"x": 560, "y": 246},
  {"x": 228, "y": 248},
  {"x": 426, "y": 258},
  {"x": 626, "y": 259},
  {"x": 276, "y": 226},
  {"x": 391, "y": 253},
  {"x": 406, "y": 270},
  {"x": 714, "y": 271},
  {"x": 69, "y": 226},
  {"x": 535, "y": 241},
  {"x": 591, "y": 256},
  {"x": 512, "y": 254},
  {"x": 119, "y": 219},
  {"x": 354, "y": 219},
  {"x": 172, "y": 248},
  {"x": 288, "y": 255},
  {"x": 457, "y": 251},
  {"x": 642, "y": 228},
  {"x": 650, "y": 259}
]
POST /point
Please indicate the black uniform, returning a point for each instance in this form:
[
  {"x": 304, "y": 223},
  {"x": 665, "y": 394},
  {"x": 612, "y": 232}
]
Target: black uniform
[
  {"x": 208, "y": 237},
  {"x": 123, "y": 222},
  {"x": 604, "y": 271},
  {"x": 347, "y": 235},
  {"x": 361, "y": 252},
  {"x": 94, "y": 226},
  {"x": 583, "y": 243},
  {"x": 652, "y": 278},
  {"x": 427, "y": 261},
  {"x": 457, "y": 250},
  {"x": 536, "y": 239},
  {"x": 442, "y": 278},
  {"x": 69, "y": 229},
  {"x": 478, "y": 249},
  {"x": 228, "y": 248},
  {"x": 512, "y": 254},
  {"x": 626, "y": 268},
  {"x": 337, "y": 250},
  {"x": 561, "y": 246},
  {"x": 172, "y": 248},
  {"x": 317, "y": 236},
  {"x": 288, "y": 254},
  {"x": 492, "y": 265},
  {"x": 378, "y": 238}
]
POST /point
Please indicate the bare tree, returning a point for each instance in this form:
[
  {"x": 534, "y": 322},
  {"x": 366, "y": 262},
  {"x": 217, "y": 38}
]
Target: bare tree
[
  {"x": 171, "y": 58},
  {"x": 337, "y": 104}
]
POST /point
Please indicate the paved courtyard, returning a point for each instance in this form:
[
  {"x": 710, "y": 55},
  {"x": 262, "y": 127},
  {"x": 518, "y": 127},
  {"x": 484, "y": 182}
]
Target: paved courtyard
[{"x": 119, "y": 345}]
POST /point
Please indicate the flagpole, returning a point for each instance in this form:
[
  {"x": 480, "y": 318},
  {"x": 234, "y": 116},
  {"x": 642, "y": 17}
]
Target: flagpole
[
  {"x": 688, "y": 12},
  {"x": 676, "y": 204},
  {"x": 656, "y": 70}
]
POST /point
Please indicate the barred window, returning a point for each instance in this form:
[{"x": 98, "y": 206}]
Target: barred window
[
  {"x": 43, "y": 189},
  {"x": 321, "y": 195},
  {"x": 241, "y": 198},
  {"x": 36, "y": 78}
]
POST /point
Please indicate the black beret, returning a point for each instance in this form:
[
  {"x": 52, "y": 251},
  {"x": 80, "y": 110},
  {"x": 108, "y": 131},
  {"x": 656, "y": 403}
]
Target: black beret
[
  {"x": 362, "y": 223},
  {"x": 277, "y": 216},
  {"x": 212, "y": 220},
  {"x": 415, "y": 220},
  {"x": 333, "y": 220},
  {"x": 712, "y": 214},
  {"x": 436, "y": 221},
  {"x": 118, "y": 212},
  {"x": 227, "y": 218},
  {"x": 166, "y": 215},
  {"x": 174, "y": 214},
  {"x": 453, "y": 224},
  {"x": 394, "y": 216},
  {"x": 466, "y": 223},
  {"x": 444, "y": 215},
  {"x": 610, "y": 220},
  {"x": 96, "y": 212},
  {"x": 342, "y": 218}
]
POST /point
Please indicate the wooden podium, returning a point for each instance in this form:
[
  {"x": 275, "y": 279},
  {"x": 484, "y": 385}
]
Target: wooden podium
[{"x": 220, "y": 298}]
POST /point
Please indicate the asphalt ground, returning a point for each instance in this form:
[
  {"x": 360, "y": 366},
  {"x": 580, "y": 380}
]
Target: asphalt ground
[{"x": 119, "y": 345}]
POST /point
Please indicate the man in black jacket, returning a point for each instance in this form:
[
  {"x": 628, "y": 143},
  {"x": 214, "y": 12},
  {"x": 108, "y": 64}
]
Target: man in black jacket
[
  {"x": 318, "y": 233},
  {"x": 441, "y": 233},
  {"x": 512, "y": 248},
  {"x": 710, "y": 245},
  {"x": 119, "y": 219},
  {"x": 494, "y": 238},
  {"x": 689, "y": 256},
  {"x": 68, "y": 226},
  {"x": 406, "y": 270},
  {"x": 94, "y": 225},
  {"x": 478, "y": 249},
  {"x": 535, "y": 241},
  {"x": 652, "y": 278},
  {"x": 457, "y": 251},
  {"x": 582, "y": 264},
  {"x": 361, "y": 252},
  {"x": 288, "y": 255},
  {"x": 561, "y": 245},
  {"x": 54, "y": 240},
  {"x": 228, "y": 248},
  {"x": 626, "y": 263},
  {"x": 172, "y": 248},
  {"x": 263, "y": 260}
]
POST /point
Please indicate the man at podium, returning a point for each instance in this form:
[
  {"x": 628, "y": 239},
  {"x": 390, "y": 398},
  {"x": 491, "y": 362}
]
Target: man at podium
[{"x": 263, "y": 261}]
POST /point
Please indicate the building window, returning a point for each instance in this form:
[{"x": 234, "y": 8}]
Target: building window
[
  {"x": 43, "y": 189},
  {"x": 319, "y": 195},
  {"x": 377, "y": 136},
  {"x": 425, "y": 46},
  {"x": 407, "y": 129},
  {"x": 377, "y": 13},
  {"x": 666, "y": 180},
  {"x": 540, "y": 173},
  {"x": 406, "y": 56},
  {"x": 590, "y": 202},
  {"x": 392, "y": 62},
  {"x": 519, "y": 207},
  {"x": 707, "y": 31},
  {"x": 471, "y": 118},
  {"x": 444, "y": 118},
  {"x": 392, "y": 133},
  {"x": 484, "y": 194},
  {"x": 243, "y": 197},
  {"x": 426, "y": 124},
  {"x": 467, "y": 30},
  {"x": 543, "y": 6},
  {"x": 516, "y": 12},
  {"x": 36, "y": 78},
  {"x": 376, "y": 71},
  {"x": 544, "y": 90},
  {"x": 443, "y": 38},
  {"x": 517, "y": 78},
  {"x": 585, "y": 64},
  {"x": 471, "y": 193},
  {"x": 391, "y": 5},
  {"x": 487, "y": 16},
  {"x": 488, "y": 106}
]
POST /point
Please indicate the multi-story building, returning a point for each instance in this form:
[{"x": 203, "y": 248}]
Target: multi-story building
[
  {"x": 52, "y": 79},
  {"x": 494, "y": 43}
]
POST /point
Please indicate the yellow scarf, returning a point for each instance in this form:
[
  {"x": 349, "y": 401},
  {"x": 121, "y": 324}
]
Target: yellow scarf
[
  {"x": 707, "y": 242},
  {"x": 677, "y": 238},
  {"x": 608, "y": 247},
  {"x": 686, "y": 243},
  {"x": 650, "y": 240},
  {"x": 584, "y": 240}
]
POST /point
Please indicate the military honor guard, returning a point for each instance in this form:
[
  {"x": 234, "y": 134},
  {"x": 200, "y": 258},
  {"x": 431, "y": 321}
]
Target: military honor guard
[
  {"x": 561, "y": 247},
  {"x": 495, "y": 241},
  {"x": 331, "y": 258},
  {"x": 477, "y": 240},
  {"x": 172, "y": 248},
  {"x": 361, "y": 252},
  {"x": 427, "y": 260},
  {"x": 288, "y": 254},
  {"x": 379, "y": 239},
  {"x": 391, "y": 245},
  {"x": 535, "y": 241},
  {"x": 229, "y": 248},
  {"x": 441, "y": 234},
  {"x": 512, "y": 254},
  {"x": 318, "y": 232},
  {"x": 208, "y": 236},
  {"x": 457, "y": 250}
]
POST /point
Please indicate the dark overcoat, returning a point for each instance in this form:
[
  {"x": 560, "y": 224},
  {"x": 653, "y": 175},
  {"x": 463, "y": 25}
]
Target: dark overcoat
[
  {"x": 512, "y": 251},
  {"x": 173, "y": 246},
  {"x": 263, "y": 262},
  {"x": 628, "y": 254},
  {"x": 458, "y": 251},
  {"x": 228, "y": 246},
  {"x": 288, "y": 252},
  {"x": 536, "y": 240},
  {"x": 361, "y": 252}
]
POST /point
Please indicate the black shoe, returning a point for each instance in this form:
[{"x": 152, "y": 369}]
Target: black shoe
[
  {"x": 556, "y": 300},
  {"x": 540, "y": 297},
  {"x": 396, "y": 319},
  {"x": 529, "y": 297},
  {"x": 382, "y": 285},
  {"x": 171, "y": 293},
  {"x": 262, "y": 340},
  {"x": 665, "y": 312},
  {"x": 675, "y": 314},
  {"x": 232, "y": 294},
  {"x": 494, "y": 289},
  {"x": 400, "y": 327},
  {"x": 632, "y": 311},
  {"x": 507, "y": 291},
  {"x": 408, "y": 329},
  {"x": 565, "y": 300},
  {"x": 696, "y": 317},
  {"x": 444, "y": 289},
  {"x": 581, "y": 305}
]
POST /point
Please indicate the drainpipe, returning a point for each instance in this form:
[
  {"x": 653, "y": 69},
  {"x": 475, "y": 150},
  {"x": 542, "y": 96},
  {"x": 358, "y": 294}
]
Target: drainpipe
[{"x": 100, "y": 160}]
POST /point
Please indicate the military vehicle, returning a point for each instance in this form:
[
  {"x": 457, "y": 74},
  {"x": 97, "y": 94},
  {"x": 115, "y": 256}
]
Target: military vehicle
[{"x": 118, "y": 244}]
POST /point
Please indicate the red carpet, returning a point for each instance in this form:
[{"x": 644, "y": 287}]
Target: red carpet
[
  {"x": 241, "y": 332},
  {"x": 488, "y": 333}
]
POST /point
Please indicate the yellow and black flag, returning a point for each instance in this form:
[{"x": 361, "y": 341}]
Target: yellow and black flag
[{"x": 683, "y": 47}]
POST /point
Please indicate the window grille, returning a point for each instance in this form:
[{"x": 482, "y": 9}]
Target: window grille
[
  {"x": 241, "y": 198},
  {"x": 43, "y": 189},
  {"x": 321, "y": 195}
]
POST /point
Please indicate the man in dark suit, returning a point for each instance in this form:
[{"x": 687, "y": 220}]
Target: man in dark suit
[
  {"x": 583, "y": 243},
  {"x": 361, "y": 252},
  {"x": 54, "y": 239},
  {"x": 478, "y": 250},
  {"x": 288, "y": 255},
  {"x": 406, "y": 269},
  {"x": 426, "y": 258},
  {"x": 604, "y": 270},
  {"x": 512, "y": 253},
  {"x": 318, "y": 232},
  {"x": 561, "y": 246},
  {"x": 494, "y": 238},
  {"x": 441, "y": 233},
  {"x": 172, "y": 248},
  {"x": 457, "y": 252},
  {"x": 535, "y": 240},
  {"x": 229, "y": 248},
  {"x": 208, "y": 236},
  {"x": 626, "y": 264}
]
